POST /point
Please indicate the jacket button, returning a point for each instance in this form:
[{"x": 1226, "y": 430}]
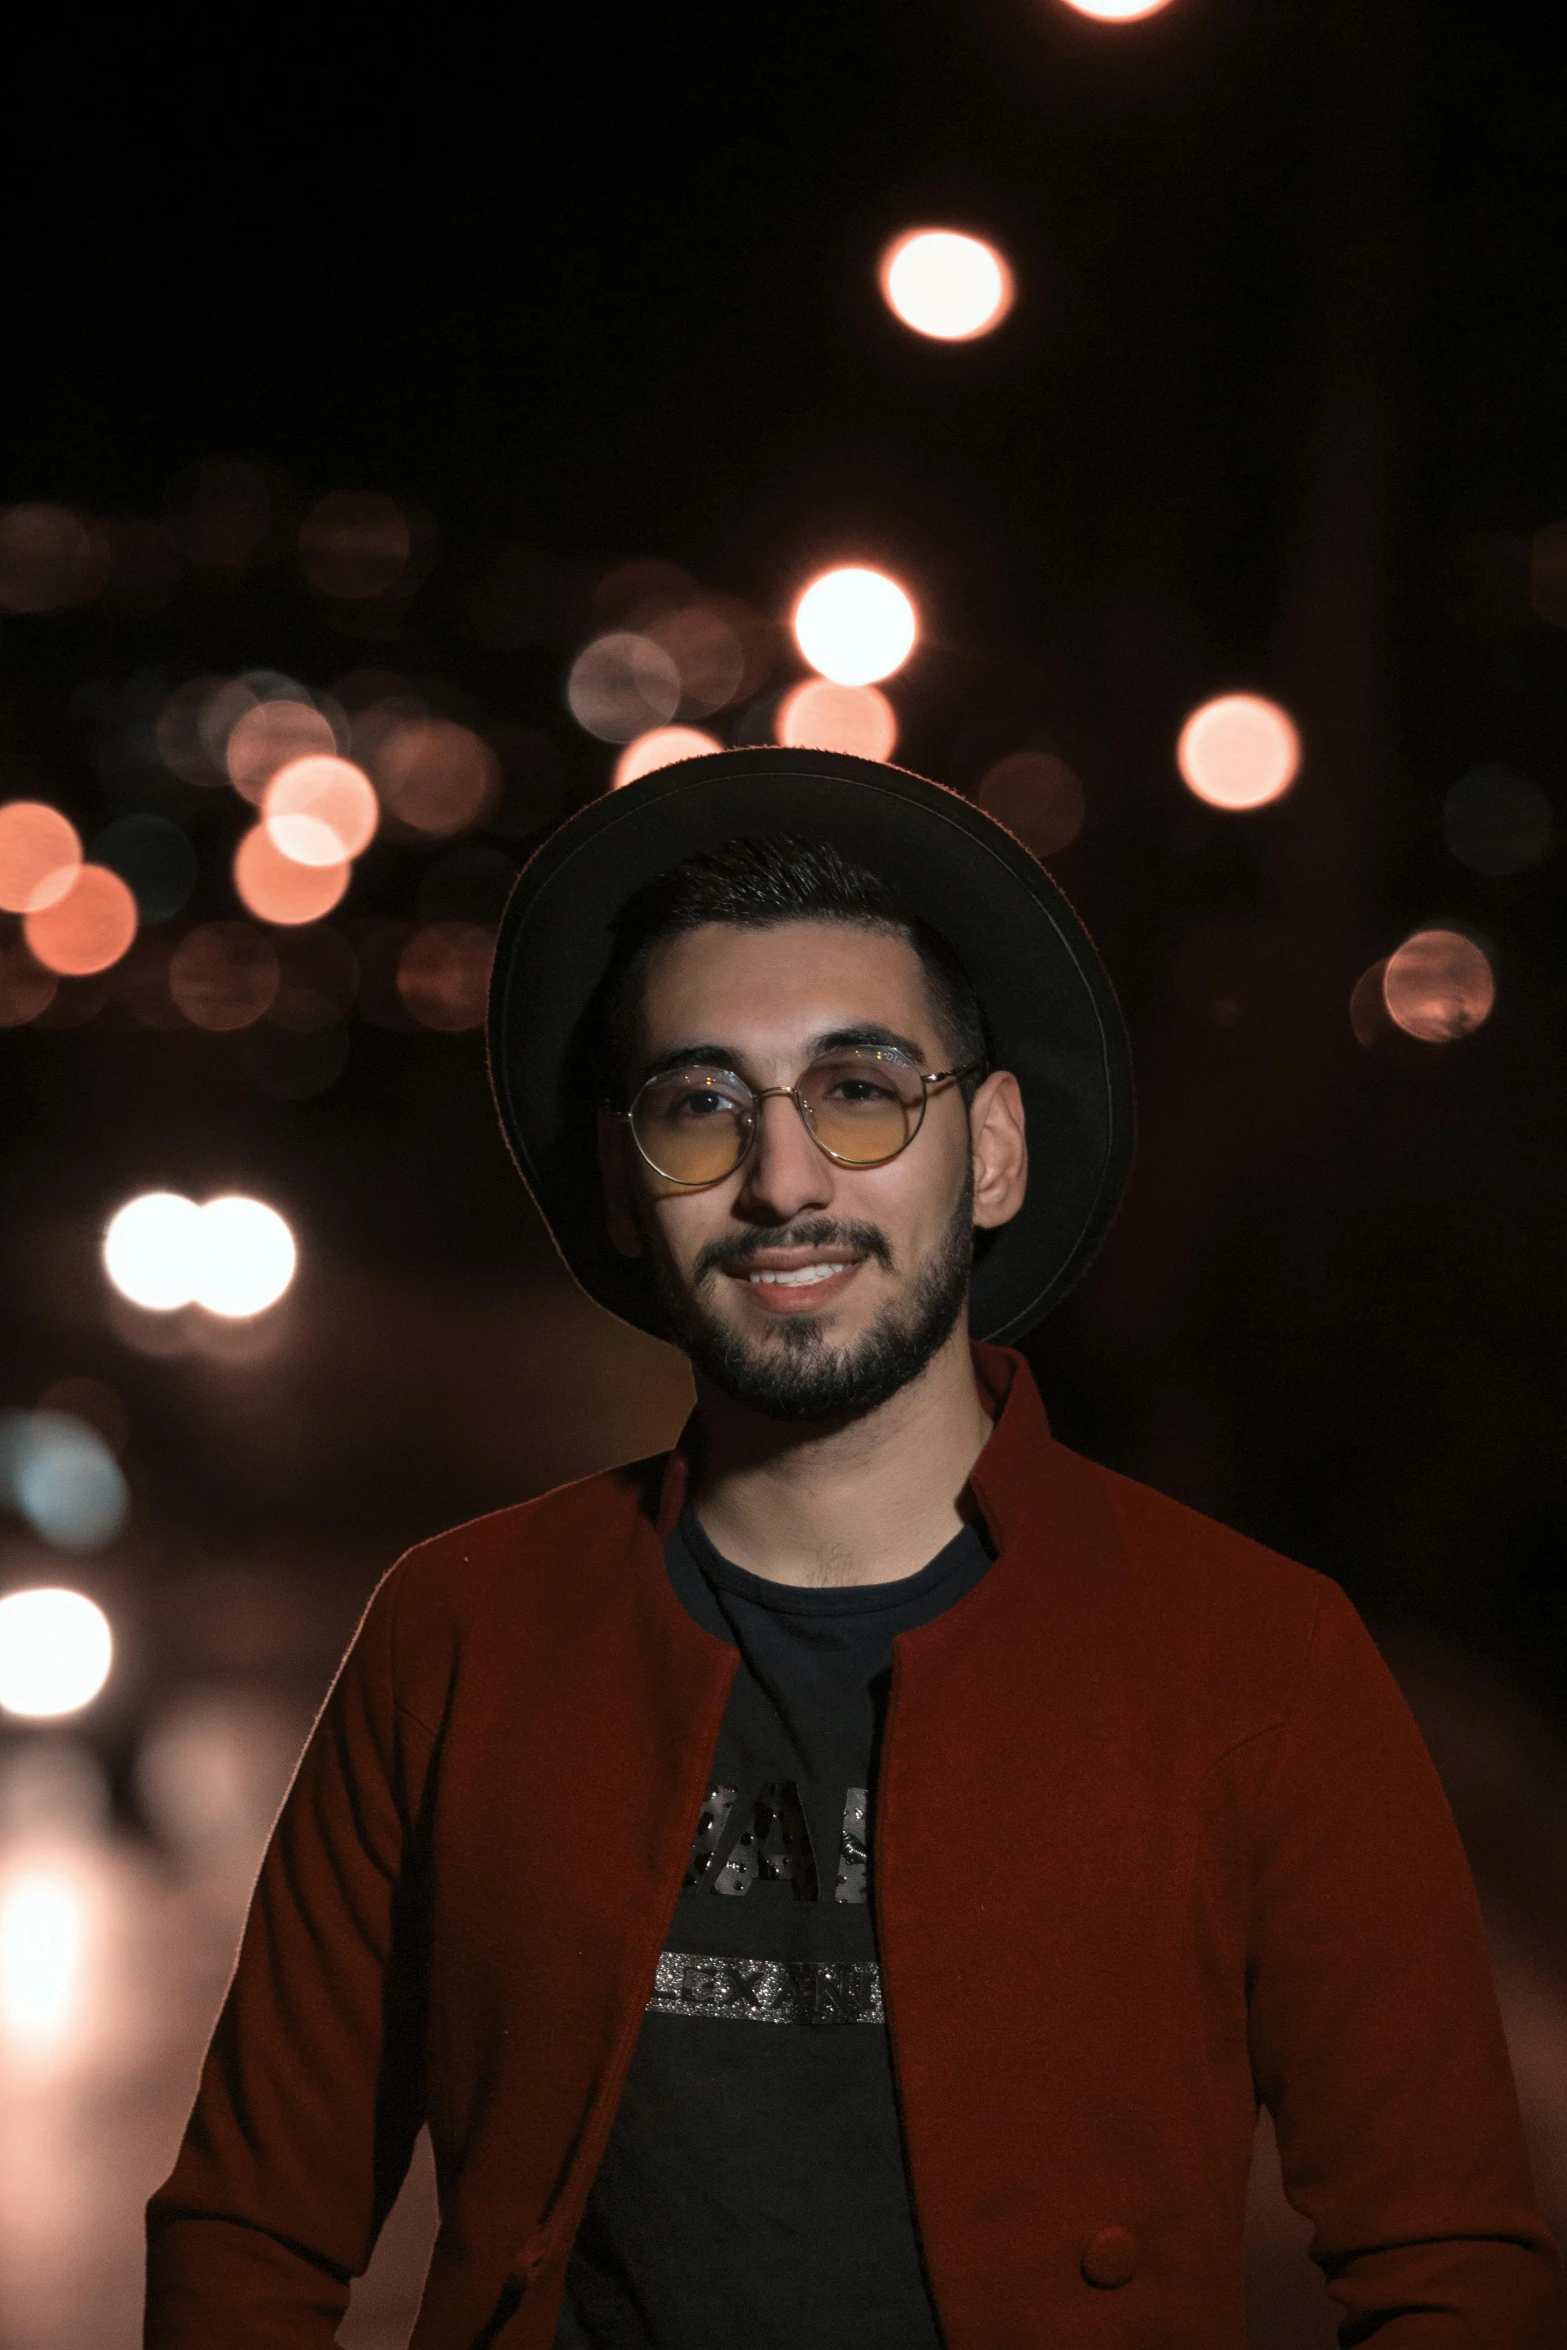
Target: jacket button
[{"x": 1110, "y": 2258}]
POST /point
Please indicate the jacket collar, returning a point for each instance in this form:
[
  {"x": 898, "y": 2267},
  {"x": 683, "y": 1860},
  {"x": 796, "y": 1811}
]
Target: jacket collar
[{"x": 1005, "y": 1474}]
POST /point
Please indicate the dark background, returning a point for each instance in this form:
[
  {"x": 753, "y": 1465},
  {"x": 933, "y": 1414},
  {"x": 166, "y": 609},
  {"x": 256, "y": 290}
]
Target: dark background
[{"x": 1281, "y": 405}]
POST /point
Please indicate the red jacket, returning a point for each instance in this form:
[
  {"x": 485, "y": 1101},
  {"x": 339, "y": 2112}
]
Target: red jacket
[{"x": 1155, "y": 1838}]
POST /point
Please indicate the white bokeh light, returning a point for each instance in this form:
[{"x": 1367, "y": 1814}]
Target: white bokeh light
[
  {"x": 855, "y": 625},
  {"x": 235, "y": 1256},
  {"x": 245, "y": 1258},
  {"x": 43, "y": 1952},
  {"x": 149, "y": 1250},
  {"x": 55, "y": 1652},
  {"x": 1117, "y": 11},
  {"x": 946, "y": 285}
]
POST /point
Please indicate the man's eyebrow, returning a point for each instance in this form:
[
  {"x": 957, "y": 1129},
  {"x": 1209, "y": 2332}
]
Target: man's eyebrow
[
  {"x": 692, "y": 1056},
  {"x": 867, "y": 1036}
]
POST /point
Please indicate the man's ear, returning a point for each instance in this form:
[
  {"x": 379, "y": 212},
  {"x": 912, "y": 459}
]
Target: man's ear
[
  {"x": 619, "y": 1178},
  {"x": 997, "y": 1125}
]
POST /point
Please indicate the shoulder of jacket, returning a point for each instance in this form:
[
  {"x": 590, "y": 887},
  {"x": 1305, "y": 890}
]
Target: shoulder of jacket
[
  {"x": 1204, "y": 1573},
  {"x": 530, "y": 1535}
]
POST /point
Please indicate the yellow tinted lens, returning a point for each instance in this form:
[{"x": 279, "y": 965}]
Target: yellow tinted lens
[
  {"x": 693, "y": 1124},
  {"x": 864, "y": 1106}
]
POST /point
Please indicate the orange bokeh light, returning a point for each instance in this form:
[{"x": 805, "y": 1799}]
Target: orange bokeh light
[
  {"x": 820, "y": 716},
  {"x": 269, "y": 736},
  {"x": 946, "y": 285},
  {"x": 661, "y": 746},
  {"x": 277, "y": 889},
  {"x": 1238, "y": 751},
  {"x": 1439, "y": 986},
  {"x": 40, "y": 856},
  {"x": 87, "y": 929},
  {"x": 436, "y": 776},
  {"x": 224, "y": 975},
  {"x": 443, "y": 975},
  {"x": 320, "y": 810}
]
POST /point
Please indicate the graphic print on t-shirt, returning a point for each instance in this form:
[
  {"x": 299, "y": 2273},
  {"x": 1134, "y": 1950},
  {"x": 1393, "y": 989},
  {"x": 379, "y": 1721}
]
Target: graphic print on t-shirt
[{"x": 753, "y": 2194}]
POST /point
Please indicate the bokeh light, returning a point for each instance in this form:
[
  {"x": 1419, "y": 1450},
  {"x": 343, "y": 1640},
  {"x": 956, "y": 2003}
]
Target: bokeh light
[
  {"x": 87, "y": 929},
  {"x": 443, "y": 974},
  {"x": 26, "y": 988},
  {"x": 268, "y": 736},
  {"x": 1369, "y": 1018},
  {"x": 1117, "y": 11},
  {"x": 320, "y": 810},
  {"x": 235, "y": 1256},
  {"x": 58, "y": 1472},
  {"x": 1439, "y": 985},
  {"x": 44, "y": 1916},
  {"x": 946, "y": 285},
  {"x": 149, "y": 1250},
  {"x": 854, "y": 625},
  {"x": 40, "y": 856},
  {"x": 355, "y": 544},
  {"x": 661, "y": 746},
  {"x": 817, "y": 715},
  {"x": 55, "y": 1652},
  {"x": 224, "y": 975},
  {"x": 436, "y": 777},
  {"x": 622, "y": 684},
  {"x": 245, "y": 1259},
  {"x": 1238, "y": 751},
  {"x": 1037, "y": 796},
  {"x": 1496, "y": 820},
  {"x": 279, "y": 889},
  {"x": 49, "y": 559}
]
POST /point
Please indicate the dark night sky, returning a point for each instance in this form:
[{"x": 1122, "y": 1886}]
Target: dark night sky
[{"x": 1280, "y": 405}]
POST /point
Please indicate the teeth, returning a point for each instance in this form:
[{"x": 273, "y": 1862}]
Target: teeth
[{"x": 800, "y": 1279}]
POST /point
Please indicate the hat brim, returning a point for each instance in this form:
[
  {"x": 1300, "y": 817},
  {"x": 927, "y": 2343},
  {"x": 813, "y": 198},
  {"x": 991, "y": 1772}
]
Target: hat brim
[{"x": 1047, "y": 1000}]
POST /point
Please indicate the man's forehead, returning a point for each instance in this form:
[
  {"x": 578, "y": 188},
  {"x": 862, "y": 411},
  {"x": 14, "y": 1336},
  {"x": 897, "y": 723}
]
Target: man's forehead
[{"x": 788, "y": 978}]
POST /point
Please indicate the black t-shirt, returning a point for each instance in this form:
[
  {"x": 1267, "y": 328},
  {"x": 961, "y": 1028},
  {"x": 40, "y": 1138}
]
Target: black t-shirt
[{"x": 753, "y": 2194}]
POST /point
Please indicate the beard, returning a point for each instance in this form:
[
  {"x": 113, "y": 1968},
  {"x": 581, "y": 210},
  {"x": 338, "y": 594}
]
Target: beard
[{"x": 796, "y": 1373}]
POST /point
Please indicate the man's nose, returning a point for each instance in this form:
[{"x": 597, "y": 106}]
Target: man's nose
[{"x": 784, "y": 1172}]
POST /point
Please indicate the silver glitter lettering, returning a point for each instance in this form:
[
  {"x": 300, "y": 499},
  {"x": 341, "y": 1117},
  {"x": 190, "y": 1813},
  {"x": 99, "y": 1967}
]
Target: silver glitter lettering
[{"x": 769, "y": 1990}]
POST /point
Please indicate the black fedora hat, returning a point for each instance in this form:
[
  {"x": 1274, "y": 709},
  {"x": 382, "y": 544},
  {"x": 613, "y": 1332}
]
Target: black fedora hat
[{"x": 1048, "y": 1003}]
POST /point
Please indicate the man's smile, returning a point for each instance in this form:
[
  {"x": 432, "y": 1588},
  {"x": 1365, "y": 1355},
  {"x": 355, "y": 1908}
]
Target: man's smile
[{"x": 796, "y": 1280}]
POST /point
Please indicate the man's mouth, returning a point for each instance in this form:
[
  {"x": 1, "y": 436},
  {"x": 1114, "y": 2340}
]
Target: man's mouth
[
  {"x": 805, "y": 1276},
  {"x": 786, "y": 1280}
]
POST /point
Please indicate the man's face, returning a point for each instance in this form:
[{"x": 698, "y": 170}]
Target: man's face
[{"x": 806, "y": 1289}]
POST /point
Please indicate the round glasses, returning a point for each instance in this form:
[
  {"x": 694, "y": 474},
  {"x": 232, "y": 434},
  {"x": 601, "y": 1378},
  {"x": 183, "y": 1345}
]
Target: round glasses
[{"x": 861, "y": 1106}]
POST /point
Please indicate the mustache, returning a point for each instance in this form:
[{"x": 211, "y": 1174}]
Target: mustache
[{"x": 865, "y": 1240}]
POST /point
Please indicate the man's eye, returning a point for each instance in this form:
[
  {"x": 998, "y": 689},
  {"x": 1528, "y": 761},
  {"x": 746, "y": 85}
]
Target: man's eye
[
  {"x": 862, "y": 1092},
  {"x": 704, "y": 1105}
]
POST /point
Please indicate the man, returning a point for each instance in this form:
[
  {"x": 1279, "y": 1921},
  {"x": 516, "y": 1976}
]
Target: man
[{"x": 847, "y": 1884}]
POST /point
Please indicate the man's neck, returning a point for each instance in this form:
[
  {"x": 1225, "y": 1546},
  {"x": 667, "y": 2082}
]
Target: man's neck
[{"x": 861, "y": 1501}]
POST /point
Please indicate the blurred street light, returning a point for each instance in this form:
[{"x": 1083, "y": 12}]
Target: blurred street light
[
  {"x": 55, "y": 1652},
  {"x": 854, "y": 625},
  {"x": 661, "y": 746},
  {"x": 1239, "y": 751},
  {"x": 946, "y": 285},
  {"x": 1117, "y": 11},
  {"x": 234, "y": 1256}
]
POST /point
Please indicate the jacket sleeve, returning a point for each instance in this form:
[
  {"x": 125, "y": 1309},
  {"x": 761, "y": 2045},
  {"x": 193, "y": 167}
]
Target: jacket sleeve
[
  {"x": 310, "y": 2095},
  {"x": 1375, "y": 2034}
]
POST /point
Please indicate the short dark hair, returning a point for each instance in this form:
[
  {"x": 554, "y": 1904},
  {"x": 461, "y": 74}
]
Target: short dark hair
[{"x": 756, "y": 883}]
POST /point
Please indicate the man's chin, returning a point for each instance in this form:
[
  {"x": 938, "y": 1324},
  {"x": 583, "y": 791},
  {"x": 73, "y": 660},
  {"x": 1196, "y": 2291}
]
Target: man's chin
[{"x": 806, "y": 1366}]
